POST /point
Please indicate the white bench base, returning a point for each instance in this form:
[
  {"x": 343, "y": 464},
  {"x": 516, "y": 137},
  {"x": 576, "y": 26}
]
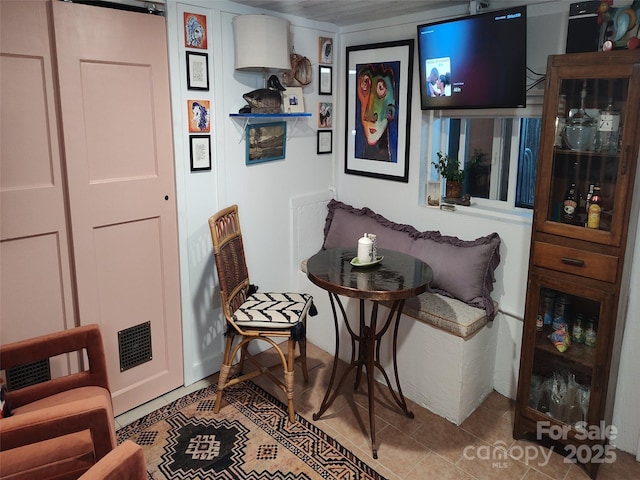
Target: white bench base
[{"x": 454, "y": 374}]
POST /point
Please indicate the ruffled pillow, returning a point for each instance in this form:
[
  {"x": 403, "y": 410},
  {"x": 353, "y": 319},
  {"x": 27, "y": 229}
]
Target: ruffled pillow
[{"x": 462, "y": 269}]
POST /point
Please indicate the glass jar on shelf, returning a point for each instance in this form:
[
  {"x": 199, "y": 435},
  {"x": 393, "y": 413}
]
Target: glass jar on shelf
[{"x": 580, "y": 131}]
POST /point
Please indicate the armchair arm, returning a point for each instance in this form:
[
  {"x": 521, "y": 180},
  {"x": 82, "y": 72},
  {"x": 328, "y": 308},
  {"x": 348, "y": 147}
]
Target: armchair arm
[
  {"x": 93, "y": 413},
  {"x": 125, "y": 462},
  {"x": 40, "y": 348}
]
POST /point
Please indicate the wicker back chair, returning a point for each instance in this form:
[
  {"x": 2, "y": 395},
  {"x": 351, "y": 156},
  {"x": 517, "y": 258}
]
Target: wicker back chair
[{"x": 255, "y": 316}]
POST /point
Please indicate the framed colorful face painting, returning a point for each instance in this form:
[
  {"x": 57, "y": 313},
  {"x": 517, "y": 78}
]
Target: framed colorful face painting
[{"x": 379, "y": 79}]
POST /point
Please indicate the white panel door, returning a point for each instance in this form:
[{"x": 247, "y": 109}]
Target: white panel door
[{"x": 116, "y": 121}]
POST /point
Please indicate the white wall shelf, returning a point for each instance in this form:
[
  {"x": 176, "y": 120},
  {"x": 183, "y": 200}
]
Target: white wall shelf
[{"x": 241, "y": 120}]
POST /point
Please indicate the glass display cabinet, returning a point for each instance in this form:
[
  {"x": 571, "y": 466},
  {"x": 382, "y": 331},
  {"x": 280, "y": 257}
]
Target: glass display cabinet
[{"x": 583, "y": 205}]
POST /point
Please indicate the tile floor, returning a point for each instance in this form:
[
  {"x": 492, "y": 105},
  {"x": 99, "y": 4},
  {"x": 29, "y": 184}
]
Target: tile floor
[{"x": 427, "y": 446}]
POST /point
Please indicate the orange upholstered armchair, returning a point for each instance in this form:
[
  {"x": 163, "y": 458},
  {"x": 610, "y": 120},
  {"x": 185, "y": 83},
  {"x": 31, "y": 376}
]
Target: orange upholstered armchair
[
  {"x": 125, "y": 462},
  {"x": 60, "y": 427}
]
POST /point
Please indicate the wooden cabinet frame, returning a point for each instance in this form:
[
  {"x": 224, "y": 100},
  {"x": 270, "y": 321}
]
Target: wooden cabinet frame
[{"x": 582, "y": 263}]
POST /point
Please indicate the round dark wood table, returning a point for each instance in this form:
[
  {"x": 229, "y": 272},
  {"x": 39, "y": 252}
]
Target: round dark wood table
[{"x": 395, "y": 278}]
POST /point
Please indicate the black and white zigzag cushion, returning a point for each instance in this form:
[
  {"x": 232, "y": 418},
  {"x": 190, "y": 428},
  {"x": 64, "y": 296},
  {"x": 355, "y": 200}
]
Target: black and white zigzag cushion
[{"x": 273, "y": 310}]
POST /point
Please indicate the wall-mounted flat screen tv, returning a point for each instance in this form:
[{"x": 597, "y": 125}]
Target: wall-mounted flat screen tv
[{"x": 478, "y": 61}]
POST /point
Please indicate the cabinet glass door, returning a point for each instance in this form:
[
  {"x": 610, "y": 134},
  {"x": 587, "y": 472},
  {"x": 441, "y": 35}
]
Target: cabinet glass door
[
  {"x": 571, "y": 329},
  {"x": 588, "y": 135},
  {"x": 586, "y": 157}
]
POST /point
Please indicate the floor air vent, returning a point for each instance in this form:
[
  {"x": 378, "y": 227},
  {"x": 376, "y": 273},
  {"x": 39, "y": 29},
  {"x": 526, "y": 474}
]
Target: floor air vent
[
  {"x": 134, "y": 344},
  {"x": 29, "y": 374}
]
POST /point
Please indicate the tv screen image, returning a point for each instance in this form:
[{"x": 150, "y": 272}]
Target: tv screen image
[{"x": 478, "y": 61}]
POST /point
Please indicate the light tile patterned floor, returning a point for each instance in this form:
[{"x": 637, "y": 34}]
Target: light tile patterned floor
[{"x": 426, "y": 447}]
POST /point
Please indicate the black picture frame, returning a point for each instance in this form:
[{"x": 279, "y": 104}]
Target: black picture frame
[
  {"x": 386, "y": 154},
  {"x": 200, "y": 152},
  {"x": 197, "y": 71},
  {"x": 325, "y": 142},
  {"x": 325, "y": 80}
]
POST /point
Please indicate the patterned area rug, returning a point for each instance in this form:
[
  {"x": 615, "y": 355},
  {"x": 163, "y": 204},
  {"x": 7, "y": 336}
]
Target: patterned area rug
[{"x": 251, "y": 438}]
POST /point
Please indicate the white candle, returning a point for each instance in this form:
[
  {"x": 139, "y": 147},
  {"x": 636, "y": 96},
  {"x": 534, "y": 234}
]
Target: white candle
[{"x": 364, "y": 249}]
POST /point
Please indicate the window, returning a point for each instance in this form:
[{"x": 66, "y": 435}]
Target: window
[
  {"x": 527, "y": 161},
  {"x": 499, "y": 155},
  {"x": 482, "y": 144}
]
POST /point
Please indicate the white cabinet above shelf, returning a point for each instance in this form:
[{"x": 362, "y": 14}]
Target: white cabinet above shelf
[{"x": 241, "y": 120}]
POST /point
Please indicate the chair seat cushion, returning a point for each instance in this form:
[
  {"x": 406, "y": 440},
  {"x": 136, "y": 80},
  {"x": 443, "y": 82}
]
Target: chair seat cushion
[
  {"x": 75, "y": 394},
  {"x": 273, "y": 310}
]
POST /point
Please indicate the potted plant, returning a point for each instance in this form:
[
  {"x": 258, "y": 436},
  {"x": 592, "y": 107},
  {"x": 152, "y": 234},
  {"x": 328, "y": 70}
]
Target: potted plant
[{"x": 449, "y": 169}]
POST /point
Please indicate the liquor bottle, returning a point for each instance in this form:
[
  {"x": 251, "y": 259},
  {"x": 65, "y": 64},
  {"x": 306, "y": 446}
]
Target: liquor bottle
[
  {"x": 546, "y": 307},
  {"x": 561, "y": 313},
  {"x": 585, "y": 217},
  {"x": 569, "y": 205},
  {"x": 595, "y": 207},
  {"x": 591, "y": 332},
  {"x": 607, "y": 132},
  {"x": 582, "y": 210},
  {"x": 589, "y": 195},
  {"x": 577, "y": 332}
]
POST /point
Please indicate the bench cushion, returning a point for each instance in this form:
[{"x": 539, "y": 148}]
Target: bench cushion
[
  {"x": 462, "y": 269},
  {"x": 447, "y": 313}
]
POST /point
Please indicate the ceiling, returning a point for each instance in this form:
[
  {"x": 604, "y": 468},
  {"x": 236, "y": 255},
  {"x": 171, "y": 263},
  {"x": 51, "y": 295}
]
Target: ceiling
[{"x": 350, "y": 12}]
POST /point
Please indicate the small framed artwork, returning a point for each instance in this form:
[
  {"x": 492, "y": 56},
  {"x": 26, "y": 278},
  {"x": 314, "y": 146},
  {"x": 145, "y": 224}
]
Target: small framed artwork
[
  {"x": 198, "y": 112},
  {"x": 325, "y": 141},
  {"x": 200, "y": 150},
  {"x": 325, "y": 50},
  {"x": 326, "y": 80},
  {"x": 195, "y": 30},
  {"x": 292, "y": 100},
  {"x": 197, "y": 71},
  {"x": 266, "y": 142},
  {"x": 325, "y": 115}
]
